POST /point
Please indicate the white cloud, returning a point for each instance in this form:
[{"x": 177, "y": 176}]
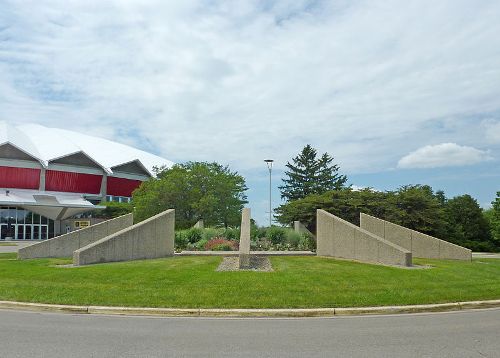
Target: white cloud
[
  {"x": 355, "y": 187},
  {"x": 443, "y": 155},
  {"x": 492, "y": 129},
  {"x": 239, "y": 81}
]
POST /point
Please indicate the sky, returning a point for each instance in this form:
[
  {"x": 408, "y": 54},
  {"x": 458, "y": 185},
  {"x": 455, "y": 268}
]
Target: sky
[{"x": 399, "y": 92}]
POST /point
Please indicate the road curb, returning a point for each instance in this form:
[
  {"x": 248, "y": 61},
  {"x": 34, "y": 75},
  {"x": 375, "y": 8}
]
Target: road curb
[
  {"x": 276, "y": 313},
  {"x": 42, "y": 307}
]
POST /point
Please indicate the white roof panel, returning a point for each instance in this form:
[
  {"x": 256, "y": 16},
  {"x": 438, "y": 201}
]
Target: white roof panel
[
  {"x": 50, "y": 143},
  {"x": 16, "y": 137}
]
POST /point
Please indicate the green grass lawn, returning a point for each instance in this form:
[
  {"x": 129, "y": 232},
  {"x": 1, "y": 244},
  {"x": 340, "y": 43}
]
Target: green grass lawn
[
  {"x": 7, "y": 255},
  {"x": 298, "y": 282},
  {"x": 7, "y": 244}
]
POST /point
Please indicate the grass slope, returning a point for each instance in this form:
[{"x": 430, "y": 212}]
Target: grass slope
[{"x": 298, "y": 282}]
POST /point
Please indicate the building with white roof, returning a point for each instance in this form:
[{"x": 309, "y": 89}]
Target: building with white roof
[{"x": 48, "y": 175}]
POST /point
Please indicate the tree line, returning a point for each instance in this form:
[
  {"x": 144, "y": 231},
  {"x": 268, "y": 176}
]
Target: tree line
[{"x": 459, "y": 220}]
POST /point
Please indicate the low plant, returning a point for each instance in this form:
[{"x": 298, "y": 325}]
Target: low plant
[
  {"x": 210, "y": 233},
  {"x": 261, "y": 232},
  {"x": 231, "y": 234},
  {"x": 180, "y": 241},
  {"x": 293, "y": 238},
  {"x": 194, "y": 234},
  {"x": 276, "y": 234},
  {"x": 307, "y": 243},
  {"x": 221, "y": 244},
  {"x": 200, "y": 245}
]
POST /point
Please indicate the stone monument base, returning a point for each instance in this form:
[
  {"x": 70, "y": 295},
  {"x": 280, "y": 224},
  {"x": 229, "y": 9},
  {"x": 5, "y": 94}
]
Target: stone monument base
[
  {"x": 244, "y": 261},
  {"x": 257, "y": 263}
]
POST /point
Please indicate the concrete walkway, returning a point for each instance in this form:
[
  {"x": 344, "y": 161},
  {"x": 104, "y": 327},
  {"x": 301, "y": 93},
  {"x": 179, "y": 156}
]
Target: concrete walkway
[
  {"x": 482, "y": 255},
  {"x": 235, "y": 253},
  {"x": 486, "y": 255},
  {"x": 16, "y": 245}
]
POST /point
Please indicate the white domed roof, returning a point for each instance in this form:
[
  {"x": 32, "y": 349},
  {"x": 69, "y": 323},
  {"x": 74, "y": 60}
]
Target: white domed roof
[
  {"x": 12, "y": 135},
  {"x": 46, "y": 144}
]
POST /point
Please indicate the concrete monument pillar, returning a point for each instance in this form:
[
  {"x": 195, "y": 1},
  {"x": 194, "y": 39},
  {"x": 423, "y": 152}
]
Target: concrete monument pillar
[{"x": 245, "y": 239}]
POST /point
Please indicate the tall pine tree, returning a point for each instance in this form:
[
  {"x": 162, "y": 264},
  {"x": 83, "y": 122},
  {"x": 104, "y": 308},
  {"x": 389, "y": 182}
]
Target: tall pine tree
[{"x": 308, "y": 174}]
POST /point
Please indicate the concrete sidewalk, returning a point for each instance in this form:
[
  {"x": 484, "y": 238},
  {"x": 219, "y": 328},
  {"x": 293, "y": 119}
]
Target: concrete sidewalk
[
  {"x": 235, "y": 253},
  {"x": 486, "y": 255},
  {"x": 16, "y": 245}
]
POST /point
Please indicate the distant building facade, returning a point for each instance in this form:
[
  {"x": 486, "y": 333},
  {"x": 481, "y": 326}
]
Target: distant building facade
[{"x": 48, "y": 176}]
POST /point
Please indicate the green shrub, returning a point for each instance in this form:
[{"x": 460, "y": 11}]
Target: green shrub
[
  {"x": 231, "y": 234},
  {"x": 210, "y": 233},
  {"x": 257, "y": 232},
  {"x": 200, "y": 245},
  {"x": 194, "y": 235},
  {"x": 261, "y": 232},
  {"x": 276, "y": 234},
  {"x": 307, "y": 243},
  {"x": 293, "y": 238},
  {"x": 180, "y": 240}
]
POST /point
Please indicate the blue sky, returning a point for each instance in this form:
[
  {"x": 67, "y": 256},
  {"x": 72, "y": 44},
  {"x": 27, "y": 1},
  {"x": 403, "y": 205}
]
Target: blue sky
[{"x": 399, "y": 92}]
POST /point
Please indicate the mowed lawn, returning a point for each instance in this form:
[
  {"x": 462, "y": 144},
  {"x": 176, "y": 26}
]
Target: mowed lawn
[{"x": 297, "y": 282}]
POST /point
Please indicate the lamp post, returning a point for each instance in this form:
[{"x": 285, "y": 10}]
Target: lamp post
[{"x": 269, "y": 163}]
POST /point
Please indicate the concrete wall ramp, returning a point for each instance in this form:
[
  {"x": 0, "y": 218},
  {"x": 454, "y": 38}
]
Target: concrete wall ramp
[
  {"x": 65, "y": 245},
  {"x": 149, "y": 239},
  {"x": 420, "y": 245},
  {"x": 339, "y": 238}
]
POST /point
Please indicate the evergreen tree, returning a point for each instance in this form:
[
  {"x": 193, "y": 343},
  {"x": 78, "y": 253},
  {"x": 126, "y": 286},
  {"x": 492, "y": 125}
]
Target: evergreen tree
[
  {"x": 441, "y": 198},
  {"x": 308, "y": 175}
]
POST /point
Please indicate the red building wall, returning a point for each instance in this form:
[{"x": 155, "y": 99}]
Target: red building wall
[
  {"x": 20, "y": 178},
  {"x": 72, "y": 182},
  {"x": 121, "y": 186}
]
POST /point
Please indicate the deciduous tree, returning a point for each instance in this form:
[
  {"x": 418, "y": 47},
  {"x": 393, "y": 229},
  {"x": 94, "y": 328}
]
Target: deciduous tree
[
  {"x": 196, "y": 190},
  {"x": 467, "y": 225}
]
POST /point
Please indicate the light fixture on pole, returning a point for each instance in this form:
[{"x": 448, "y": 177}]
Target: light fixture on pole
[{"x": 269, "y": 163}]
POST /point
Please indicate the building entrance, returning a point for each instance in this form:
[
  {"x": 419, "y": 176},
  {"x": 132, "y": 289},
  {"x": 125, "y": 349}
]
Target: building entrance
[
  {"x": 20, "y": 224},
  {"x": 6, "y": 231}
]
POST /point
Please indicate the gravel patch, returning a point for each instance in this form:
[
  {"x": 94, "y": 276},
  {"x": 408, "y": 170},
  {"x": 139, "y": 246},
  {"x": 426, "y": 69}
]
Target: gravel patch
[{"x": 257, "y": 263}]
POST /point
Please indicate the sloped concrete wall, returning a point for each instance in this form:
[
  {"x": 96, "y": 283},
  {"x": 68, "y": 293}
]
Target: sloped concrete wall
[
  {"x": 339, "y": 238},
  {"x": 420, "y": 245},
  {"x": 151, "y": 238},
  {"x": 301, "y": 228},
  {"x": 65, "y": 245}
]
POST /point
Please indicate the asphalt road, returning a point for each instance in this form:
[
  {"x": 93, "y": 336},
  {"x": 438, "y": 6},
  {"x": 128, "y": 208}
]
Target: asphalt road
[{"x": 458, "y": 334}]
